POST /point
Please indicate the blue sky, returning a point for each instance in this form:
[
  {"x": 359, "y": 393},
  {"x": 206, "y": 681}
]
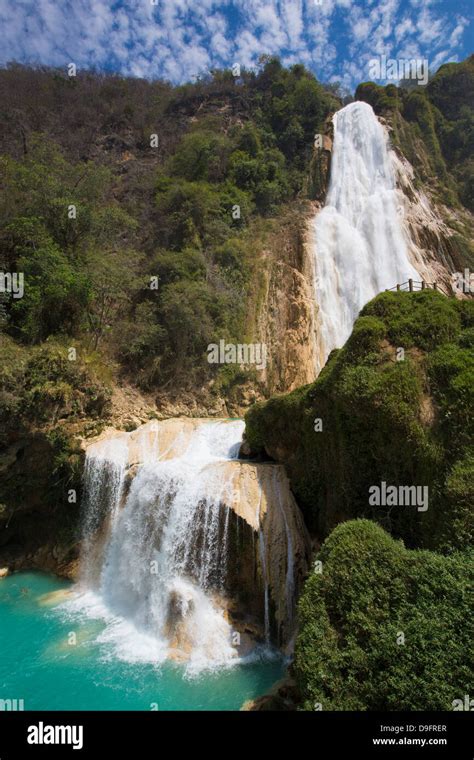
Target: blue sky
[{"x": 180, "y": 39}]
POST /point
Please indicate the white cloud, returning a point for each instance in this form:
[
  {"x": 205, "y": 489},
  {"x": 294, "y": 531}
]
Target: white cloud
[{"x": 179, "y": 38}]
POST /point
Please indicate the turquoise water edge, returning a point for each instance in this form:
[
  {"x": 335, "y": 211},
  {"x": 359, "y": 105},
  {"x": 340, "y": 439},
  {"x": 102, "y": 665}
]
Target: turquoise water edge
[{"x": 40, "y": 665}]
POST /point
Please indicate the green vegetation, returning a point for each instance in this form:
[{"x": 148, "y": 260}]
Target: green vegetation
[
  {"x": 92, "y": 211},
  {"x": 402, "y": 422},
  {"x": 43, "y": 385},
  {"x": 383, "y": 627},
  {"x": 44, "y": 398}
]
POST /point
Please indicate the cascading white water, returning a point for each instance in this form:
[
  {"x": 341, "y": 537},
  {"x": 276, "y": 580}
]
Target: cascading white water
[
  {"x": 165, "y": 558},
  {"x": 104, "y": 477},
  {"x": 359, "y": 244},
  {"x": 156, "y": 535},
  {"x": 263, "y": 560}
]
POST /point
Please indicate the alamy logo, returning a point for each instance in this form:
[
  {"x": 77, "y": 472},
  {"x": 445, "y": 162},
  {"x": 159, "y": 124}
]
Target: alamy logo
[
  {"x": 399, "y": 496},
  {"x": 238, "y": 353},
  {"x": 42, "y": 734},
  {"x": 463, "y": 281},
  {"x": 463, "y": 704},
  {"x": 12, "y": 282},
  {"x": 395, "y": 69}
]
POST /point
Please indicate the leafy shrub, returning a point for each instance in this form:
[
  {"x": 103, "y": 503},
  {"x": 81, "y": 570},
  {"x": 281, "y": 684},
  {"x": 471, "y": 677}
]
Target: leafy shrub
[{"x": 372, "y": 592}]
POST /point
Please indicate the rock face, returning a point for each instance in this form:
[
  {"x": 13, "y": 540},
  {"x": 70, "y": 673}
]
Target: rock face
[
  {"x": 276, "y": 546},
  {"x": 320, "y": 165},
  {"x": 264, "y": 545},
  {"x": 285, "y": 321},
  {"x": 432, "y": 242},
  {"x": 37, "y": 522}
]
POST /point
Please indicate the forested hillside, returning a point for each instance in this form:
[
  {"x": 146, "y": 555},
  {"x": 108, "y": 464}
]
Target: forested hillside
[
  {"x": 141, "y": 216},
  {"x": 172, "y": 188}
]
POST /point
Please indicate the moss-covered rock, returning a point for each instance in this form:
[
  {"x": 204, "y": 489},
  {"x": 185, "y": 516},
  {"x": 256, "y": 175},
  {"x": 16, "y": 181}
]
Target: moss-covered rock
[
  {"x": 391, "y": 406},
  {"x": 48, "y": 396}
]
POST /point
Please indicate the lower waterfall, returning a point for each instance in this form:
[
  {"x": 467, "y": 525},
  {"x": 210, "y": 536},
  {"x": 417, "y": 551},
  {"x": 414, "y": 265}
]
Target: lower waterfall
[
  {"x": 358, "y": 240},
  {"x": 160, "y": 507}
]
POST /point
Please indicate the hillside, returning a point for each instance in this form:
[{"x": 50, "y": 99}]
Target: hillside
[
  {"x": 118, "y": 205},
  {"x": 179, "y": 194}
]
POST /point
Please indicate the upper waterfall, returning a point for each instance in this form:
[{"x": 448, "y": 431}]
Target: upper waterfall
[{"x": 359, "y": 244}]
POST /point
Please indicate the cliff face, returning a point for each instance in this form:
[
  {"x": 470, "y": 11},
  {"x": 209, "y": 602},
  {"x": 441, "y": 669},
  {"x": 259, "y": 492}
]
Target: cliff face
[
  {"x": 286, "y": 317},
  {"x": 439, "y": 236},
  {"x": 270, "y": 547},
  {"x": 37, "y": 522}
]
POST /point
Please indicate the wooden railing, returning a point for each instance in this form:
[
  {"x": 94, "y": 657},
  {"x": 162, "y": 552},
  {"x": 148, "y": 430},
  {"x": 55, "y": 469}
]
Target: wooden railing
[{"x": 411, "y": 285}]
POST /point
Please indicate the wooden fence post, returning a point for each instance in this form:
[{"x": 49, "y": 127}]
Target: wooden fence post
[{"x": 410, "y": 286}]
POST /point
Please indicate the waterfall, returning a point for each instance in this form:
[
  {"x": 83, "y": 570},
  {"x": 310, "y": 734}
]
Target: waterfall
[
  {"x": 164, "y": 562},
  {"x": 161, "y": 513},
  {"x": 104, "y": 479},
  {"x": 359, "y": 244},
  {"x": 263, "y": 560},
  {"x": 188, "y": 552}
]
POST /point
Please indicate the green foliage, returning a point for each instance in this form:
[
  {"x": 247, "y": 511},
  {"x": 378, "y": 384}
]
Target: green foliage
[
  {"x": 67, "y": 462},
  {"x": 44, "y": 385},
  {"x": 403, "y": 422},
  {"x": 56, "y": 295},
  {"x": 56, "y": 387},
  {"x": 141, "y": 344},
  {"x": 380, "y": 98},
  {"x": 425, "y": 320},
  {"x": 186, "y": 212},
  {"x": 12, "y": 369},
  {"x": 371, "y": 590},
  {"x": 418, "y": 109},
  {"x": 51, "y": 250}
]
